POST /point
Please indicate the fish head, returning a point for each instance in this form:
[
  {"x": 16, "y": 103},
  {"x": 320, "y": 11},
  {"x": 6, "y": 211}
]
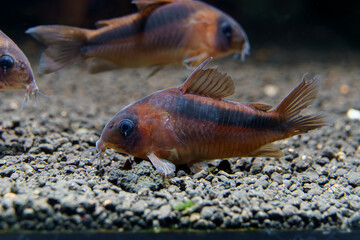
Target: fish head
[
  {"x": 123, "y": 133},
  {"x": 230, "y": 37},
  {"x": 15, "y": 69}
]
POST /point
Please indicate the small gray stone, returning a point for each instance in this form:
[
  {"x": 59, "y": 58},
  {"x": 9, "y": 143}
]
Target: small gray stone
[
  {"x": 322, "y": 161},
  {"x": 28, "y": 213},
  {"x": 322, "y": 180},
  {"x": 6, "y": 172},
  {"x": 269, "y": 169},
  {"x": 261, "y": 215},
  {"x": 354, "y": 178},
  {"x": 164, "y": 213},
  {"x": 139, "y": 207},
  {"x": 201, "y": 174},
  {"x": 46, "y": 148},
  {"x": 68, "y": 205},
  {"x": 328, "y": 153},
  {"x": 354, "y": 220},
  {"x": 294, "y": 220},
  {"x": 289, "y": 210},
  {"x": 276, "y": 177},
  {"x": 207, "y": 212}
]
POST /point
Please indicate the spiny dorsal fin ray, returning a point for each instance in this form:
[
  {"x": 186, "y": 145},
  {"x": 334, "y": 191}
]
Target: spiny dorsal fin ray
[
  {"x": 108, "y": 22},
  {"x": 144, "y": 4},
  {"x": 209, "y": 82},
  {"x": 259, "y": 106}
]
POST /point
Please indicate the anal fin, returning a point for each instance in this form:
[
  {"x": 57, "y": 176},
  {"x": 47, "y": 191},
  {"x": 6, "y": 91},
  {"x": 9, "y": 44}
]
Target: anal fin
[
  {"x": 97, "y": 65},
  {"x": 268, "y": 150},
  {"x": 163, "y": 166}
]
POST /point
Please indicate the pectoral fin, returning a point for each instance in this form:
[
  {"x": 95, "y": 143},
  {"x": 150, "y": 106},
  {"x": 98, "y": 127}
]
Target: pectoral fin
[{"x": 163, "y": 166}]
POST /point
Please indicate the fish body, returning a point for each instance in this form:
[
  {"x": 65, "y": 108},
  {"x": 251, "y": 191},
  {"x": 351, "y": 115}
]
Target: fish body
[
  {"x": 192, "y": 123},
  {"x": 163, "y": 32},
  {"x": 15, "y": 69}
]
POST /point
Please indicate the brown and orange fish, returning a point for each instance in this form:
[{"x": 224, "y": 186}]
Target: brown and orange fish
[
  {"x": 162, "y": 32},
  {"x": 15, "y": 69},
  {"x": 192, "y": 123}
]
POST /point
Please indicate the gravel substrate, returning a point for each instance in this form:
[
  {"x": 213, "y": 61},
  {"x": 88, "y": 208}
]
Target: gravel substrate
[{"x": 47, "y": 181}]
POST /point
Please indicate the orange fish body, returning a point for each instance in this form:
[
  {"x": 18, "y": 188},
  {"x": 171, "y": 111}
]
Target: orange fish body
[
  {"x": 163, "y": 32},
  {"x": 15, "y": 69},
  {"x": 191, "y": 123}
]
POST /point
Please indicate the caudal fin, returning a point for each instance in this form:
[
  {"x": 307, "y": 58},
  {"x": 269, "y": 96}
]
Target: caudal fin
[
  {"x": 301, "y": 97},
  {"x": 64, "y": 44}
]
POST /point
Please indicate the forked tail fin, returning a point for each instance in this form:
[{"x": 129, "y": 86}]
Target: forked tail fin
[
  {"x": 64, "y": 44},
  {"x": 301, "y": 97}
]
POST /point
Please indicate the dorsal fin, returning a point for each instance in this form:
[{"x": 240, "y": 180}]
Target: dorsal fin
[
  {"x": 259, "y": 106},
  {"x": 144, "y": 4},
  {"x": 103, "y": 23},
  {"x": 210, "y": 82}
]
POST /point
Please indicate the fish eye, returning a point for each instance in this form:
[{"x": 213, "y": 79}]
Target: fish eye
[
  {"x": 6, "y": 62},
  {"x": 226, "y": 29},
  {"x": 126, "y": 126}
]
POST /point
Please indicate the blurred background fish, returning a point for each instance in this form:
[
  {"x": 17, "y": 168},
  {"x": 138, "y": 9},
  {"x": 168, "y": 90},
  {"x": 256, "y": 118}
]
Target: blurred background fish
[
  {"x": 162, "y": 32},
  {"x": 15, "y": 69}
]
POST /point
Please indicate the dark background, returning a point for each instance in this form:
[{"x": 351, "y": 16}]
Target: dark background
[{"x": 286, "y": 23}]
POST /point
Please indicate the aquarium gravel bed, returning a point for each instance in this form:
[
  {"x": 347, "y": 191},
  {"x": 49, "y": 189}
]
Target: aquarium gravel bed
[{"x": 48, "y": 182}]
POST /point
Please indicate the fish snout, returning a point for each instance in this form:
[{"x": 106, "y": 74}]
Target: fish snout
[
  {"x": 31, "y": 87},
  {"x": 100, "y": 146}
]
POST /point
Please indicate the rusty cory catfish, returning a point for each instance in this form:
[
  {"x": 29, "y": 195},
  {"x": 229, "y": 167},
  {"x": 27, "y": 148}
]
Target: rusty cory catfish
[
  {"x": 191, "y": 123},
  {"x": 162, "y": 32}
]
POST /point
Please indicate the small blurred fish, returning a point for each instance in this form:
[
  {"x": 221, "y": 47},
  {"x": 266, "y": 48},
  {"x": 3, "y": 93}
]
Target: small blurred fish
[
  {"x": 163, "y": 32},
  {"x": 15, "y": 69},
  {"x": 191, "y": 123}
]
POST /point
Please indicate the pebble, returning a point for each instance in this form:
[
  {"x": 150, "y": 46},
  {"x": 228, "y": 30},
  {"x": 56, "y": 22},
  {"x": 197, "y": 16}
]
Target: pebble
[
  {"x": 354, "y": 178},
  {"x": 353, "y": 114}
]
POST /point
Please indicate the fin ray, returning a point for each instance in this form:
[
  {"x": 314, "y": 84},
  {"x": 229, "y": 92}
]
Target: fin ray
[
  {"x": 301, "y": 97},
  {"x": 163, "y": 166},
  {"x": 64, "y": 44},
  {"x": 268, "y": 150},
  {"x": 145, "y": 4},
  {"x": 209, "y": 82}
]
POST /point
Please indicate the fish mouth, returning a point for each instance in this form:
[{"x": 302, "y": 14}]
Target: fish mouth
[
  {"x": 32, "y": 89},
  {"x": 100, "y": 149},
  {"x": 245, "y": 51},
  {"x": 100, "y": 146}
]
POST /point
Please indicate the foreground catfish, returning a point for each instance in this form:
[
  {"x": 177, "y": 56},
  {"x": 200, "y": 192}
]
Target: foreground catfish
[
  {"x": 163, "y": 32},
  {"x": 15, "y": 69},
  {"x": 191, "y": 123}
]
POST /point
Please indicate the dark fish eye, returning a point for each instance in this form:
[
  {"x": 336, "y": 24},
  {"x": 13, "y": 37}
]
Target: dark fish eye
[
  {"x": 226, "y": 29},
  {"x": 126, "y": 126},
  {"x": 6, "y": 62}
]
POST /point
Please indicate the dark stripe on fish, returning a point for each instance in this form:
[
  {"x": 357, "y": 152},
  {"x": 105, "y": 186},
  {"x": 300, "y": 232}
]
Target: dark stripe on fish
[
  {"x": 161, "y": 17},
  {"x": 222, "y": 116}
]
